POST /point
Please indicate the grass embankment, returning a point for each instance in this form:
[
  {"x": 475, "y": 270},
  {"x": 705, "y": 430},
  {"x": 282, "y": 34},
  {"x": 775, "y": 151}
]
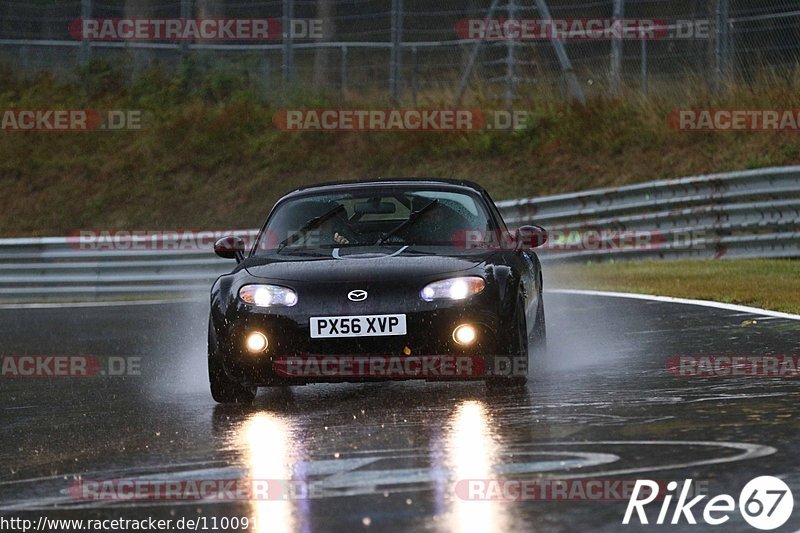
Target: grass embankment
[
  {"x": 764, "y": 283},
  {"x": 208, "y": 155}
]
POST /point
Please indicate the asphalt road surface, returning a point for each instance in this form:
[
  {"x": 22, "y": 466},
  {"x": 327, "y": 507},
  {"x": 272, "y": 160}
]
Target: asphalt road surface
[{"x": 396, "y": 455}]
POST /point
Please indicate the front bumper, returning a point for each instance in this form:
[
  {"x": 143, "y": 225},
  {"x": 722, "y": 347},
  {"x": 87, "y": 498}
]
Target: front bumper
[{"x": 427, "y": 351}]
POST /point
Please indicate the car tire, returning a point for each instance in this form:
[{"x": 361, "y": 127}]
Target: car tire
[
  {"x": 520, "y": 347},
  {"x": 538, "y": 341},
  {"x": 223, "y": 388}
]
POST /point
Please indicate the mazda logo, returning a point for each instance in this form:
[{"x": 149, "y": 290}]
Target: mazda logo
[{"x": 357, "y": 295}]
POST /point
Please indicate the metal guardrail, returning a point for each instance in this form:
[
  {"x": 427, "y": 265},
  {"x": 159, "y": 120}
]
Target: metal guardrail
[
  {"x": 747, "y": 214},
  {"x": 735, "y": 215}
]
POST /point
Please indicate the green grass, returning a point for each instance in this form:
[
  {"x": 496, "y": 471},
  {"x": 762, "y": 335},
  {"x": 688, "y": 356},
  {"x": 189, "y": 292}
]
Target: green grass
[
  {"x": 764, "y": 283},
  {"x": 208, "y": 155}
]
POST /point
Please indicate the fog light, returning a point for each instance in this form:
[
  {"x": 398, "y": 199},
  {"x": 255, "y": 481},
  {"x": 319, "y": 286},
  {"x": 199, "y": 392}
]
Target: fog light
[
  {"x": 464, "y": 334},
  {"x": 257, "y": 342}
]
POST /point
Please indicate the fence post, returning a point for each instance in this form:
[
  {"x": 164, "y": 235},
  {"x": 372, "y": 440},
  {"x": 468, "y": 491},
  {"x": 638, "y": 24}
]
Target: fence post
[
  {"x": 265, "y": 70},
  {"x": 288, "y": 48},
  {"x": 510, "y": 92},
  {"x": 721, "y": 40},
  {"x": 186, "y": 13},
  {"x": 731, "y": 49},
  {"x": 396, "y": 52},
  {"x": 343, "y": 69},
  {"x": 616, "y": 47},
  {"x": 644, "y": 64},
  {"x": 25, "y": 59},
  {"x": 414, "y": 75},
  {"x": 462, "y": 86},
  {"x": 575, "y": 90},
  {"x": 86, "y": 45}
]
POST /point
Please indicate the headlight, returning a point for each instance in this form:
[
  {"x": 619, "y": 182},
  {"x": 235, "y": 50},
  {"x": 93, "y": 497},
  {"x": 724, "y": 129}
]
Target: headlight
[
  {"x": 452, "y": 289},
  {"x": 268, "y": 295}
]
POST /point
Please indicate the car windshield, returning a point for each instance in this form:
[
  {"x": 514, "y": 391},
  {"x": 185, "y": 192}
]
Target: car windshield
[{"x": 374, "y": 217}]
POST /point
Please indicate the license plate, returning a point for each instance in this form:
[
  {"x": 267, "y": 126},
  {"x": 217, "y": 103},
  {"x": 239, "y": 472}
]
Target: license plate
[{"x": 357, "y": 326}]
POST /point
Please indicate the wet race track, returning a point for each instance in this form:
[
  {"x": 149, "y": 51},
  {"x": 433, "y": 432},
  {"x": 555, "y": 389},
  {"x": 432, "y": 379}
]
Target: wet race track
[{"x": 397, "y": 455}]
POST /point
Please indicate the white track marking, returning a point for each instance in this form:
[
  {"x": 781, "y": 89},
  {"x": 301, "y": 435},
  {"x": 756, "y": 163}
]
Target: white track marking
[
  {"x": 686, "y": 301},
  {"x": 747, "y": 451}
]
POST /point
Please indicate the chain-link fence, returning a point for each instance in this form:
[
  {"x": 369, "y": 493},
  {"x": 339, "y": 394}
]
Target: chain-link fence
[{"x": 412, "y": 49}]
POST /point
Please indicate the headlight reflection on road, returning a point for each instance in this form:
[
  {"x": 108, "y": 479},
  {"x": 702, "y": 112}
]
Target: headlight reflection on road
[
  {"x": 266, "y": 441},
  {"x": 472, "y": 450}
]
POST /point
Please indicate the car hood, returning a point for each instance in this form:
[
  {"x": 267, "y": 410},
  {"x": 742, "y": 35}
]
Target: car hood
[{"x": 347, "y": 266}]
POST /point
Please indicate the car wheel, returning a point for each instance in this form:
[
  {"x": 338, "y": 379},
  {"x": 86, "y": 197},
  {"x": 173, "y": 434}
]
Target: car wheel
[
  {"x": 538, "y": 341},
  {"x": 223, "y": 388},
  {"x": 519, "y": 348}
]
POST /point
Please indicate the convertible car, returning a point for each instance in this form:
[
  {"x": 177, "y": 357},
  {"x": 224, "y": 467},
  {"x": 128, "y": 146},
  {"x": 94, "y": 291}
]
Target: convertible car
[{"x": 377, "y": 280}]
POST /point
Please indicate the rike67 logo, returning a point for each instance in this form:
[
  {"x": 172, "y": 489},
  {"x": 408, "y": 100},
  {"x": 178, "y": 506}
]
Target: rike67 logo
[{"x": 765, "y": 503}]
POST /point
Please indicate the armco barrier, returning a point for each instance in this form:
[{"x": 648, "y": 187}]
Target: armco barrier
[
  {"x": 735, "y": 215},
  {"x": 56, "y": 268},
  {"x": 753, "y": 213}
]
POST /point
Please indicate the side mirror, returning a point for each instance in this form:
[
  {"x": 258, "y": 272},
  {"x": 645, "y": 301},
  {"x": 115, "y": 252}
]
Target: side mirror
[
  {"x": 230, "y": 247},
  {"x": 530, "y": 237}
]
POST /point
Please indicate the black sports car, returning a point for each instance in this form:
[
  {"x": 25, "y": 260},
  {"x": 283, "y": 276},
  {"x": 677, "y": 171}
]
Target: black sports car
[{"x": 377, "y": 280}]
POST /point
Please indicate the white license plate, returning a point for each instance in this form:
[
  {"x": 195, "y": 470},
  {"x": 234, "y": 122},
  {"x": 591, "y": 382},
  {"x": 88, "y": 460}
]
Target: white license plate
[{"x": 357, "y": 326}]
